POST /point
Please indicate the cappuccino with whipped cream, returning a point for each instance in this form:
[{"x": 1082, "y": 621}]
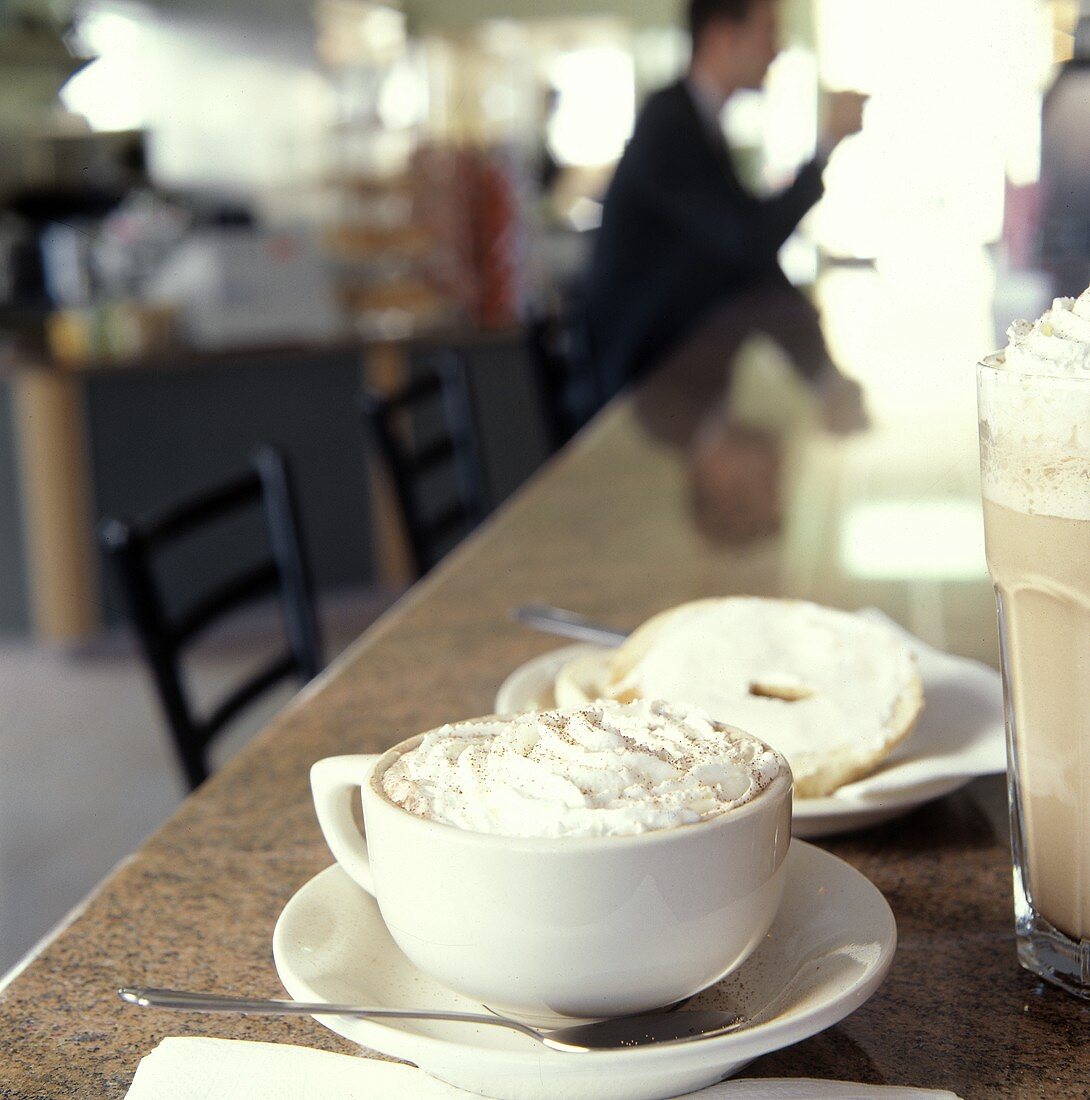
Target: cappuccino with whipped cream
[
  {"x": 590, "y": 863},
  {"x": 1034, "y": 400},
  {"x": 607, "y": 769}
]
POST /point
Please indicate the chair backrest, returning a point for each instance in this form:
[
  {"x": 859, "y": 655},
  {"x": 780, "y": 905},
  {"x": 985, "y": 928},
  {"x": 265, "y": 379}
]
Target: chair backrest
[
  {"x": 420, "y": 448},
  {"x": 136, "y": 547},
  {"x": 570, "y": 390}
]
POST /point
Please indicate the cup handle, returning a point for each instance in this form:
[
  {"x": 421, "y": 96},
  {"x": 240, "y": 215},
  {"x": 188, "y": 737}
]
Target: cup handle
[{"x": 333, "y": 781}]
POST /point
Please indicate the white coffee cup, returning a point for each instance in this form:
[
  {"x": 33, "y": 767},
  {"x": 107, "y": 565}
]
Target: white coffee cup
[{"x": 578, "y": 926}]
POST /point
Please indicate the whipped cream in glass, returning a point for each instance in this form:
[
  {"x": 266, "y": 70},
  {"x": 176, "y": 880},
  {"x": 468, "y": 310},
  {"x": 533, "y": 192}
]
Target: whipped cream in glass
[
  {"x": 1057, "y": 343},
  {"x": 608, "y": 769},
  {"x": 1034, "y": 431}
]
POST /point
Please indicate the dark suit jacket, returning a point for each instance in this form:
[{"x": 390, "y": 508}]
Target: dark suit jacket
[{"x": 679, "y": 235}]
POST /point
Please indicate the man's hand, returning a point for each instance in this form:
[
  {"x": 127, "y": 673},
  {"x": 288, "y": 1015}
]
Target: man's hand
[
  {"x": 843, "y": 406},
  {"x": 735, "y": 482},
  {"x": 843, "y": 117}
]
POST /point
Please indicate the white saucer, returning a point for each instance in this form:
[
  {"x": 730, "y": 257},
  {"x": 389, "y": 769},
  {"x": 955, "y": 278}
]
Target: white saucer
[
  {"x": 827, "y": 952},
  {"x": 962, "y": 717}
]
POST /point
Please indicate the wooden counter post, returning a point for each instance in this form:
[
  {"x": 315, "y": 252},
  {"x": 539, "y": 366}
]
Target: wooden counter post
[{"x": 54, "y": 471}]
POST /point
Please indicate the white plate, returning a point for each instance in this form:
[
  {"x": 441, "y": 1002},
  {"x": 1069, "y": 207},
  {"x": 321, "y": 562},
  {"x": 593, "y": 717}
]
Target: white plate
[
  {"x": 827, "y": 952},
  {"x": 962, "y": 721}
]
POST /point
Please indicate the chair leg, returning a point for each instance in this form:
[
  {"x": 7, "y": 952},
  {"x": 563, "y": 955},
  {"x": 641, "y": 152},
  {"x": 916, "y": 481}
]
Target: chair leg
[
  {"x": 281, "y": 513},
  {"x": 192, "y": 764}
]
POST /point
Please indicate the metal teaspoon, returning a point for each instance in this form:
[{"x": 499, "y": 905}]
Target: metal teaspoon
[
  {"x": 568, "y": 624},
  {"x": 683, "y": 1025}
]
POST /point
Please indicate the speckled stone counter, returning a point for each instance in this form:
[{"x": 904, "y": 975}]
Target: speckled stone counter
[{"x": 605, "y": 529}]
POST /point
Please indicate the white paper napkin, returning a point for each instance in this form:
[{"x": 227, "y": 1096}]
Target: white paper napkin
[
  {"x": 194, "y": 1068},
  {"x": 959, "y": 732}
]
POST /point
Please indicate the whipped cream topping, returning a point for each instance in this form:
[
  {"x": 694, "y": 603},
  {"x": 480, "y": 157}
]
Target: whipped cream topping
[
  {"x": 1035, "y": 414},
  {"x": 808, "y": 679},
  {"x": 608, "y": 769},
  {"x": 1058, "y": 343}
]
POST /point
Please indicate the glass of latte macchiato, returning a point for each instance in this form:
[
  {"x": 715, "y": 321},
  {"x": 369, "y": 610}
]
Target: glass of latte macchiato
[
  {"x": 562, "y": 864},
  {"x": 1034, "y": 404}
]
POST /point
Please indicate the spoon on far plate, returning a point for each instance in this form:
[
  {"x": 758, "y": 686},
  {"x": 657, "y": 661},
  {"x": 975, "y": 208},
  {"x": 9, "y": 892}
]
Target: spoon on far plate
[
  {"x": 568, "y": 624},
  {"x": 680, "y": 1026}
]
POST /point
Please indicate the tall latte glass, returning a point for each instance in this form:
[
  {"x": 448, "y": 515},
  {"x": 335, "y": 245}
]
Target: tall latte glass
[{"x": 1034, "y": 404}]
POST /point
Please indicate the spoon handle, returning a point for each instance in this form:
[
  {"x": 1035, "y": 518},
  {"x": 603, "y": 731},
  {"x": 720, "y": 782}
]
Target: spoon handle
[
  {"x": 213, "y": 1002},
  {"x": 568, "y": 624}
]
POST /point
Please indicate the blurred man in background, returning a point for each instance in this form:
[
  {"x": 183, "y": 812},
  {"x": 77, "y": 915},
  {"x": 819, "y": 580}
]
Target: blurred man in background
[{"x": 680, "y": 234}]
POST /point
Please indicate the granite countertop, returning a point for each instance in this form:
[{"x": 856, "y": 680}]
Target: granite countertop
[{"x": 606, "y": 529}]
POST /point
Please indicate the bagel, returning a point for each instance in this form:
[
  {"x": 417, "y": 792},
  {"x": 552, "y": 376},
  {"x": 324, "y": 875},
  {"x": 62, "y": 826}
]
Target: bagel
[{"x": 834, "y": 692}]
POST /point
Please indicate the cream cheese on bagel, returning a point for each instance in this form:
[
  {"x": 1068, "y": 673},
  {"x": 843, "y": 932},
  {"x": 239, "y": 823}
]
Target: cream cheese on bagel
[{"x": 834, "y": 692}]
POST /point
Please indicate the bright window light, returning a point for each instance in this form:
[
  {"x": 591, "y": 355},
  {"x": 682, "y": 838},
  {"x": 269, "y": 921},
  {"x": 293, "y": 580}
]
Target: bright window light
[
  {"x": 402, "y": 100},
  {"x": 914, "y": 540},
  {"x": 952, "y": 113},
  {"x": 595, "y": 107},
  {"x": 780, "y": 120},
  {"x": 118, "y": 90},
  {"x": 940, "y": 305},
  {"x": 791, "y": 91}
]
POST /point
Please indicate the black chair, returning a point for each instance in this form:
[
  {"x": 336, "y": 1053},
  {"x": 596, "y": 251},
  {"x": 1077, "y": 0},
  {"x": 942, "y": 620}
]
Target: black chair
[
  {"x": 570, "y": 390},
  {"x": 135, "y": 549},
  {"x": 426, "y": 433}
]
